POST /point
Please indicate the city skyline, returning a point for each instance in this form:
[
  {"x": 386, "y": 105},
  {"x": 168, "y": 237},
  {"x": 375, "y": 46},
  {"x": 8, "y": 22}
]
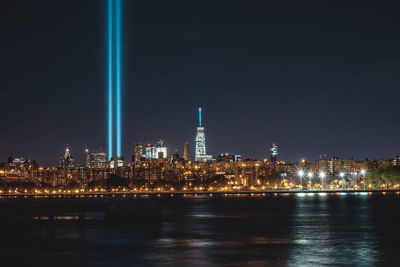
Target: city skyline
[
  {"x": 199, "y": 133},
  {"x": 270, "y": 149},
  {"x": 258, "y": 69}
]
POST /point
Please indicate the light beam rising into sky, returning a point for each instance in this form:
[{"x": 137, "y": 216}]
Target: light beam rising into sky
[
  {"x": 114, "y": 79},
  {"x": 118, "y": 75},
  {"x": 110, "y": 78}
]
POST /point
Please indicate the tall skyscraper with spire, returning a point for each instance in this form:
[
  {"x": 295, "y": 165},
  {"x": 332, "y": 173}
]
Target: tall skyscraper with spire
[
  {"x": 201, "y": 154},
  {"x": 66, "y": 161}
]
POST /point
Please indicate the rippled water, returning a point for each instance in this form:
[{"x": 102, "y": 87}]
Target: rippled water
[{"x": 293, "y": 230}]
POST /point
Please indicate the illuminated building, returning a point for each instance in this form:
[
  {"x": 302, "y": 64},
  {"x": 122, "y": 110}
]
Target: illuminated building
[
  {"x": 273, "y": 152},
  {"x": 157, "y": 151},
  {"x": 87, "y": 158},
  {"x": 396, "y": 161},
  {"x": 118, "y": 162},
  {"x": 150, "y": 152},
  {"x": 238, "y": 158},
  {"x": 138, "y": 152},
  {"x": 114, "y": 78},
  {"x": 226, "y": 158},
  {"x": 186, "y": 151},
  {"x": 201, "y": 154},
  {"x": 336, "y": 165},
  {"x": 98, "y": 158},
  {"x": 20, "y": 168},
  {"x": 66, "y": 161}
]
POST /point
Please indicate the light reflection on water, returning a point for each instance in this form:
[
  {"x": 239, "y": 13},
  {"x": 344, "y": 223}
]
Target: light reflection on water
[
  {"x": 297, "y": 230},
  {"x": 328, "y": 236}
]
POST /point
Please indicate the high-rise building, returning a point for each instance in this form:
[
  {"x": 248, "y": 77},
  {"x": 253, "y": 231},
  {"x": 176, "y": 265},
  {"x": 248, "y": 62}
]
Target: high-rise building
[
  {"x": 150, "y": 152},
  {"x": 87, "y": 158},
  {"x": 175, "y": 157},
  {"x": 98, "y": 158},
  {"x": 156, "y": 151},
  {"x": 117, "y": 162},
  {"x": 396, "y": 161},
  {"x": 186, "y": 151},
  {"x": 161, "y": 149},
  {"x": 138, "y": 152},
  {"x": 201, "y": 154},
  {"x": 66, "y": 161},
  {"x": 273, "y": 152}
]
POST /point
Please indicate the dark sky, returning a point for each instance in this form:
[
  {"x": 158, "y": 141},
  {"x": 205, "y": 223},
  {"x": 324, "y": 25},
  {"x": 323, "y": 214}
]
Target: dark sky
[{"x": 314, "y": 76}]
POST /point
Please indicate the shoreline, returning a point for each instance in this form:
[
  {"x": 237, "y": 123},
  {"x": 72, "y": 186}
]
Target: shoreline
[{"x": 196, "y": 193}]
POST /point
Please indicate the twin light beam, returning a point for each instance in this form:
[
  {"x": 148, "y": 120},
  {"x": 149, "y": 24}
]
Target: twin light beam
[{"x": 114, "y": 78}]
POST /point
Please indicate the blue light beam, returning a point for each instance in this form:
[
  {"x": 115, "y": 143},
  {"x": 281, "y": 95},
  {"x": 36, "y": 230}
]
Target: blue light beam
[
  {"x": 118, "y": 75},
  {"x": 110, "y": 78}
]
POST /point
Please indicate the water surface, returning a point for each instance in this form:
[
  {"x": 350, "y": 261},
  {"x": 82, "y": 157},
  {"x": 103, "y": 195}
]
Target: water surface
[{"x": 283, "y": 230}]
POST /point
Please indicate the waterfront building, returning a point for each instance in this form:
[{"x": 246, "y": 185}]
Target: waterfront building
[
  {"x": 322, "y": 165},
  {"x": 381, "y": 163},
  {"x": 337, "y": 165}
]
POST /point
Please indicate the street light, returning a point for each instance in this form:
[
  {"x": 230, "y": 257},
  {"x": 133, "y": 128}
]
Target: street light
[
  {"x": 300, "y": 173},
  {"x": 363, "y": 172},
  {"x": 355, "y": 178},
  {"x": 342, "y": 177},
  {"x": 322, "y": 177},
  {"x": 310, "y": 175}
]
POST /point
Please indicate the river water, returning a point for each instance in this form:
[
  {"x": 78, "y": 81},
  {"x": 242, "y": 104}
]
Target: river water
[{"x": 307, "y": 229}]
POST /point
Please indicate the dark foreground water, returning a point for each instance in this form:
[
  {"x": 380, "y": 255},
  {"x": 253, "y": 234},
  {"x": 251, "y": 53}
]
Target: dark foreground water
[{"x": 293, "y": 230}]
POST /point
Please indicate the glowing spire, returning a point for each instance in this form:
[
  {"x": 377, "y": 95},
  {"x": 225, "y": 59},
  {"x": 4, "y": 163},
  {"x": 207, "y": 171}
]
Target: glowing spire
[{"x": 199, "y": 116}]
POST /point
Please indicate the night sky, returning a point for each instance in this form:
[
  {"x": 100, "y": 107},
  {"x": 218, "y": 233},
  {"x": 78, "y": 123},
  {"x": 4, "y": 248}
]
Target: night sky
[{"x": 313, "y": 76}]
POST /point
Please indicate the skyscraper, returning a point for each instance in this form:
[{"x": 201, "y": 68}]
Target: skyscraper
[
  {"x": 186, "y": 151},
  {"x": 66, "y": 161},
  {"x": 201, "y": 154},
  {"x": 274, "y": 152},
  {"x": 156, "y": 151},
  {"x": 98, "y": 158},
  {"x": 138, "y": 152},
  {"x": 87, "y": 158}
]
